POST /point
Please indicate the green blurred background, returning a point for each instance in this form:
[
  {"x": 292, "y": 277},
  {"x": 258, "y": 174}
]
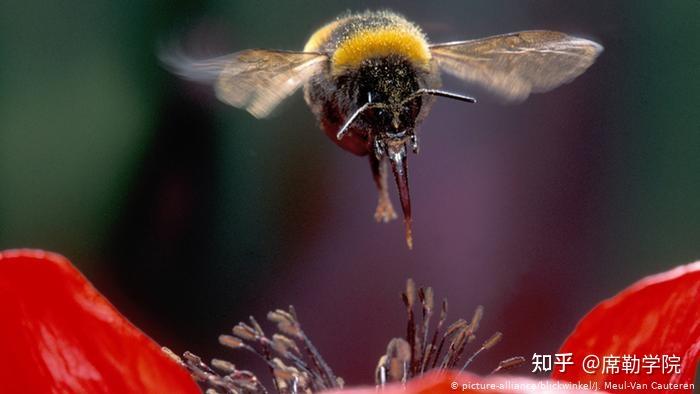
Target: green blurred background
[{"x": 190, "y": 215}]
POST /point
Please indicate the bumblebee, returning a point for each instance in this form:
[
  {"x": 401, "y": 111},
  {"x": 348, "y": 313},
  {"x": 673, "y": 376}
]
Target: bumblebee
[{"x": 371, "y": 78}]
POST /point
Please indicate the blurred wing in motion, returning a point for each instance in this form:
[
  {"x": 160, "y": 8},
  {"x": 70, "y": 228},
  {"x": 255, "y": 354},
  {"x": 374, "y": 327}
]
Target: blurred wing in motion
[
  {"x": 256, "y": 80},
  {"x": 517, "y": 64}
]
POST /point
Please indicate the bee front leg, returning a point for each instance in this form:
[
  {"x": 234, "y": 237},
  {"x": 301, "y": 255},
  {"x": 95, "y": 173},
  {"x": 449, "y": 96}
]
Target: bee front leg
[
  {"x": 385, "y": 211},
  {"x": 414, "y": 143}
]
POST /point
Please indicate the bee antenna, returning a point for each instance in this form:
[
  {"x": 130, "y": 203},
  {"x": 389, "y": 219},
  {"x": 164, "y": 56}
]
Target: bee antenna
[
  {"x": 442, "y": 93},
  {"x": 351, "y": 119},
  {"x": 344, "y": 129}
]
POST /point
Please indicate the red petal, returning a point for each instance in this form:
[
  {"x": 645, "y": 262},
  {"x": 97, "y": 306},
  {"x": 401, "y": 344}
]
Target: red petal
[
  {"x": 453, "y": 382},
  {"x": 659, "y": 315},
  {"x": 59, "y": 335}
]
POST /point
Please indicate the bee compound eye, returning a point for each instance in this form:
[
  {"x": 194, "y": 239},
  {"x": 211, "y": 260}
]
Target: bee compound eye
[{"x": 384, "y": 116}]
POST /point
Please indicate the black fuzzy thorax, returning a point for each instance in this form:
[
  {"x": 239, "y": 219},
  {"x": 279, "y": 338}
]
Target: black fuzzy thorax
[{"x": 389, "y": 80}]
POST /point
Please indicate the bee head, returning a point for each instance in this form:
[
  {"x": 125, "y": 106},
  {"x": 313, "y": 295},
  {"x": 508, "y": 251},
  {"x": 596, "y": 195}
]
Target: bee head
[
  {"x": 387, "y": 87},
  {"x": 388, "y": 100}
]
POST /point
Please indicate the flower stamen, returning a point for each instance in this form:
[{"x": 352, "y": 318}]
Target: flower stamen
[{"x": 296, "y": 365}]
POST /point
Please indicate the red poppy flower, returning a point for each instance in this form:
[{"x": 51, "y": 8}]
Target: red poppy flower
[
  {"x": 452, "y": 382},
  {"x": 58, "y": 334},
  {"x": 655, "y": 321}
]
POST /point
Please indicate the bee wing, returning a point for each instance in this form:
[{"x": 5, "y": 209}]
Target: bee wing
[
  {"x": 516, "y": 64},
  {"x": 256, "y": 80}
]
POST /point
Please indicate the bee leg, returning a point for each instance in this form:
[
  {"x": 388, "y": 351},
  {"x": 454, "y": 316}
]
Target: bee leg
[
  {"x": 385, "y": 211},
  {"x": 397, "y": 158},
  {"x": 414, "y": 143}
]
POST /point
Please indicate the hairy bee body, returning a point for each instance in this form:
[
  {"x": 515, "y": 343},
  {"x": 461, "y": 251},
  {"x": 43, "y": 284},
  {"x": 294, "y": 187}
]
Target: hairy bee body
[
  {"x": 376, "y": 56},
  {"x": 371, "y": 78}
]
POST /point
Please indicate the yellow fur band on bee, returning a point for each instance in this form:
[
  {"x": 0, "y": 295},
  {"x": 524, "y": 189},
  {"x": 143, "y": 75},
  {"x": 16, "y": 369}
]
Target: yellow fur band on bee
[
  {"x": 395, "y": 36},
  {"x": 380, "y": 43}
]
